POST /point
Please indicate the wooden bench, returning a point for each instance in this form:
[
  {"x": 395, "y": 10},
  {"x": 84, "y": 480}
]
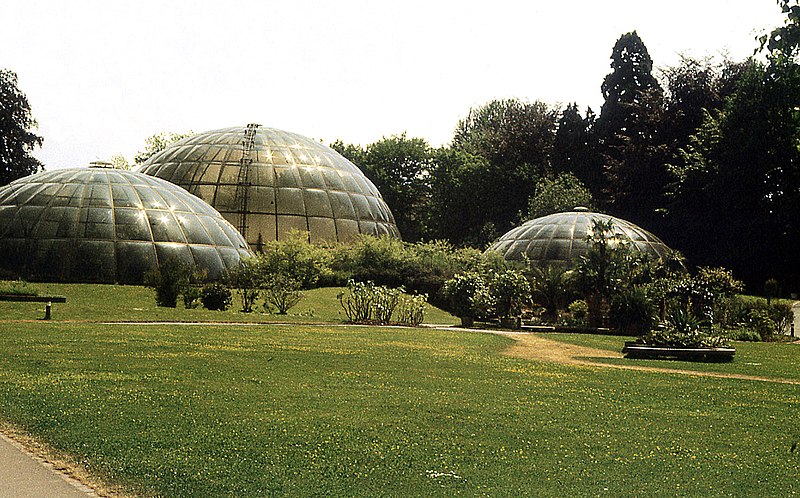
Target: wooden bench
[
  {"x": 22, "y": 298},
  {"x": 644, "y": 351}
]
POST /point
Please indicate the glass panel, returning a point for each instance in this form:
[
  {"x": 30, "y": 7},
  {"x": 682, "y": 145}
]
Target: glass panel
[
  {"x": 290, "y": 201},
  {"x": 317, "y": 203},
  {"x": 131, "y": 224},
  {"x": 164, "y": 227}
]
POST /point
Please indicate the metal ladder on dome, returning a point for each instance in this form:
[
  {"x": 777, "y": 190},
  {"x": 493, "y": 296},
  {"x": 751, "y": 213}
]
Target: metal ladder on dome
[{"x": 243, "y": 182}]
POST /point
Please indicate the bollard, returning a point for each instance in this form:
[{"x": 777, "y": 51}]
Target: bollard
[
  {"x": 792, "y": 329},
  {"x": 47, "y": 310}
]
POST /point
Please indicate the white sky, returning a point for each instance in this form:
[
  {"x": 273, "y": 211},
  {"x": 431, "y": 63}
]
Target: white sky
[{"x": 101, "y": 76}]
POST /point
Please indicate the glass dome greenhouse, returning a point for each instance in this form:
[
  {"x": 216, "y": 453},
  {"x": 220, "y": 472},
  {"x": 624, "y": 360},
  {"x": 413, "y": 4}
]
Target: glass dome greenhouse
[
  {"x": 560, "y": 238},
  {"x": 268, "y": 182},
  {"x": 108, "y": 225}
]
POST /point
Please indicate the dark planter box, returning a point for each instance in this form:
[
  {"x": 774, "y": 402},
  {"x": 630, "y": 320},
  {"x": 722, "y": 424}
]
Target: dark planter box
[{"x": 645, "y": 351}]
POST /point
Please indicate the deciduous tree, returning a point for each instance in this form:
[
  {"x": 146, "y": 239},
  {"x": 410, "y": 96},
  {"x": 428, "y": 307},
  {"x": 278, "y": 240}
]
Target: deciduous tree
[{"x": 17, "y": 140}]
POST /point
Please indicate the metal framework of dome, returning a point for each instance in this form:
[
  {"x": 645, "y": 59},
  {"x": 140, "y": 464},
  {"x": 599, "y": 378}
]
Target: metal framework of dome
[
  {"x": 268, "y": 182},
  {"x": 107, "y": 225},
  {"x": 561, "y": 237}
]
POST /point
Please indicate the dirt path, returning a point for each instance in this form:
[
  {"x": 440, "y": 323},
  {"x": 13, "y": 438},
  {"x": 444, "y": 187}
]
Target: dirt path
[{"x": 536, "y": 347}]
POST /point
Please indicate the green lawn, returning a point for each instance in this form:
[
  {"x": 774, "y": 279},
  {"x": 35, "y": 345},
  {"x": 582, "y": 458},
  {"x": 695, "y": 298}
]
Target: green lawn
[
  {"x": 114, "y": 303},
  {"x": 759, "y": 359},
  {"x": 304, "y": 410}
]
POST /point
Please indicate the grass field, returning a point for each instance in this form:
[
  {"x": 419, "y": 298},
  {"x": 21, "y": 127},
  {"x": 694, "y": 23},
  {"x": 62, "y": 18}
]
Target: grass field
[
  {"x": 298, "y": 410},
  {"x": 113, "y": 303}
]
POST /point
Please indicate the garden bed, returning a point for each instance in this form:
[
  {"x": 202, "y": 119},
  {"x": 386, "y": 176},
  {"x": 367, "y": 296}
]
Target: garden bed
[{"x": 645, "y": 351}]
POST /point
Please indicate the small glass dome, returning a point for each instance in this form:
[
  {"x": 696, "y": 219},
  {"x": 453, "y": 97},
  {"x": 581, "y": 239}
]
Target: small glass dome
[
  {"x": 107, "y": 225},
  {"x": 268, "y": 182},
  {"x": 560, "y": 237}
]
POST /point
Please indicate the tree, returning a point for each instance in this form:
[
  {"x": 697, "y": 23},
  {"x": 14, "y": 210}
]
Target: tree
[
  {"x": 740, "y": 175},
  {"x": 156, "y": 143},
  {"x": 17, "y": 141},
  {"x": 460, "y": 183},
  {"x": 575, "y": 148},
  {"x": 555, "y": 195},
  {"x": 120, "y": 162},
  {"x": 515, "y": 139},
  {"x": 400, "y": 168},
  {"x": 628, "y": 131}
]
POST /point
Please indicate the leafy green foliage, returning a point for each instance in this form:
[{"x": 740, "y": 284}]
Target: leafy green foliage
[
  {"x": 156, "y": 143},
  {"x": 411, "y": 309},
  {"x": 467, "y": 295},
  {"x": 551, "y": 287},
  {"x": 685, "y": 330},
  {"x": 515, "y": 139},
  {"x": 298, "y": 259},
  {"x": 216, "y": 297},
  {"x": 282, "y": 293},
  {"x": 169, "y": 280},
  {"x": 632, "y": 312},
  {"x": 562, "y": 193},
  {"x": 365, "y": 302},
  {"x": 510, "y": 292},
  {"x": 400, "y": 169},
  {"x": 17, "y": 141}
]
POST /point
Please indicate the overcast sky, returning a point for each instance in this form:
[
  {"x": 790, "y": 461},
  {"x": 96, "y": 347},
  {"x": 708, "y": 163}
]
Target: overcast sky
[{"x": 101, "y": 76}]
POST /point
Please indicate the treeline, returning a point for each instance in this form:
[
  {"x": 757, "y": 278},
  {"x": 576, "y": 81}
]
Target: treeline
[{"x": 705, "y": 155}]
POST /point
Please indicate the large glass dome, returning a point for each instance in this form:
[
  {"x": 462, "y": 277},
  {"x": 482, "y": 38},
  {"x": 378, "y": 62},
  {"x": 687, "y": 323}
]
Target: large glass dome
[
  {"x": 107, "y": 225},
  {"x": 560, "y": 237},
  {"x": 268, "y": 182}
]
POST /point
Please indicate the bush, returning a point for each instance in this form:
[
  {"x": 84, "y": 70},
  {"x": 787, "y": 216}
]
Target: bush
[
  {"x": 216, "y": 296},
  {"x": 422, "y": 268},
  {"x": 298, "y": 259},
  {"x": 248, "y": 280},
  {"x": 191, "y": 296},
  {"x": 282, "y": 294},
  {"x": 411, "y": 310},
  {"x": 579, "y": 309},
  {"x": 631, "y": 312},
  {"x": 385, "y": 303},
  {"x": 168, "y": 280},
  {"x": 358, "y": 301},
  {"x": 684, "y": 330},
  {"x": 510, "y": 291},
  {"x": 467, "y": 296}
]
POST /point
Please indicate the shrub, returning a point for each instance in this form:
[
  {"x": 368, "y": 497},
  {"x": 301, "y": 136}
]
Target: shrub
[
  {"x": 550, "y": 287},
  {"x": 467, "y": 296},
  {"x": 510, "y": 291},
  {"x": 298, "y": 259},
  {"x": 215, "y": 296},
  {"x": 684, "y": 330},
  {"x": 422, "y": 268},
  {"x": 579, "y": 309},
  {"x": 282, "y": 294},
  {"x": 248, "y": 280},
  {"x": 411, "y": 310},
  {"x": 168, "y": 280},
  {"x": 385, "y": 303},
  {"x": 358, "y": 301},
  {"x": 191, "y": 296},
  {"x": 632, "y": 312}
]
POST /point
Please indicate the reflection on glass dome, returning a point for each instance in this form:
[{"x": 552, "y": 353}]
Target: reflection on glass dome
[
  {"x": 560, "y": 237},
  {"x": 268, "y": 182},
  {"x": 107, "y": 225}
]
